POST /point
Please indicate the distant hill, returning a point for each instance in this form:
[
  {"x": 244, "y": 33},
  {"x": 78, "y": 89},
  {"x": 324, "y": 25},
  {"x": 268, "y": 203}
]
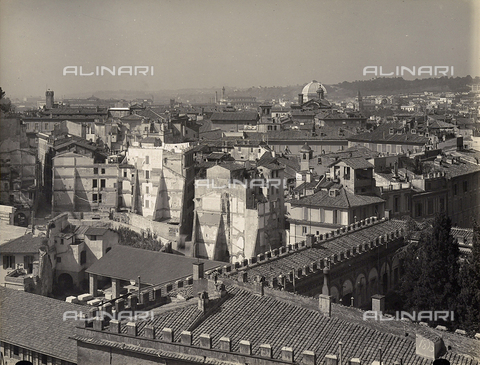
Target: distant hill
[
  {"x": 346, "y": 89},
  {"x": 397, "y": 85}
]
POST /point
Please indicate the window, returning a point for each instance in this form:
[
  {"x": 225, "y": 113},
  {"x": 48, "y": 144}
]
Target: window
[
  {"x": 94, "y": 198},
  {"x": 44, "y": 359},
  {"x": 147, "y": 204},
  {"x": 147, "y": 174},
  {"x": 102, "y": 183},
  {"x": 36, "y": 126},
  {"x": 124, "y": 174},
  {"x": 147, "y": 160},
  {"x": 147, "y": 190},
  {"x": 465, "y": 186},
  {"x": 83, "y": 257},
  {"x": 305, "y": 213},
  {"x": 430, "y": 206},
  {"x": 46, "y": 126},
  {"x": 95, "y": 170},
  {"x": 304, "y": 230},
  {"x": 319, "y": 160},
  {"x": 455, "y": 189},
  {"x": 95, "y": 183},
  {"x": 16, "y": 350},
  {"x": 442, "y": 204},
  {"x": 418, "y": 210},
  {"x": 8, "y": 262},
  {"x": 99, "y": 198},
  {"x": 61, "y": 241},
  {"x": 335, "y": 218},
  {"x": 322, "y": 215},
  {"x": 396, "y": 204},
  {"x": 59, "y": 260},
  {"x": 103, "y": 171}
]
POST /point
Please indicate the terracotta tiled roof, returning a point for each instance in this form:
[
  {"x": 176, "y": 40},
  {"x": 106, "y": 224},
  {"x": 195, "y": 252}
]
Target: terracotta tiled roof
[
  {"x": 382, "y": 135},
  {"x": 356, "y": 163},
  {"x": 281, "y": 322},
  {"x": 23, "y": 244},
  {"x": 128, "y": 263},
  {"x": 220, "y": 117},
  {"x": 343, "y": 200},
  {"x": 35, "y": 322},
  {"x": 298, "y": 259}
]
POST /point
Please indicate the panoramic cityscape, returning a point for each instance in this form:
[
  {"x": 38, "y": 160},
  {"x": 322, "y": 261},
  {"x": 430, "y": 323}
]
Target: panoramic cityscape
[{"x": 225, "y": 182}]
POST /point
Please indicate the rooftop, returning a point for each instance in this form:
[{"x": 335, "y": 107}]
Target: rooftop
[
  {"x": 127, "y": 263},
  {"x": 35, "y": 322},
  {"x": 344, "y": 199},
  {"x": 298, "y": 259},
  {"x": 24, "y": 244},
  {"x": 280, "y": 321}
]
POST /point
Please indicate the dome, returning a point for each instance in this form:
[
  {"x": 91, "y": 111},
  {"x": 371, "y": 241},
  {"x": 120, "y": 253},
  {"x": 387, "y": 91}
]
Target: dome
[
  {"x": 310, "y": 90},
  {"x": 306, "y": 148}
]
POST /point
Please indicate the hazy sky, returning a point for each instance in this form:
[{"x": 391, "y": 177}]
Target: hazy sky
[{"x": 238, "y": 43}]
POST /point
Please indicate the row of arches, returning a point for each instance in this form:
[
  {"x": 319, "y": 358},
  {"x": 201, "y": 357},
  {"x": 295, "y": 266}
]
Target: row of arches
[{"x": 358, "y": 288}]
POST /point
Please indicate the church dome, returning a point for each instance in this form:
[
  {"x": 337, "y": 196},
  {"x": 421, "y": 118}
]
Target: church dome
[
  {"x": 306, "y": 148},
  {"x": 310, "y": 90}
]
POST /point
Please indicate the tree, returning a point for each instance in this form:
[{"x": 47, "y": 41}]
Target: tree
[
  {"x": 468, "y": 307},
  {"x": 431, "y": 270},
  {"x": 5, "y": 103}
]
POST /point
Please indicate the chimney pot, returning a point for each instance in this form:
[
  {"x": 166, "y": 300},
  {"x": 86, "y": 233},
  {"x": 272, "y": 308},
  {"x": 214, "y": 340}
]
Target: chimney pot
[
  {"x": 325, "y": 304},
  {"x": 287, "y": 354},
  {"x": 186, "y": 338},
  {"x": 150, "y": 331},
  {"x": 167, "y": 334},
  {"x": 132, "y": 329},
  {"x": 205, "y": 341},
  {"x": 266, "y": 351},
  {"x": 331, "y": 359},
  {"x": 225, "y": 344},
  {"x": 378, "y": 303},
  {"x": 198, "y": 270},
  {"x": 309, "y": 358},
  {"x": 245, "y": 347}
]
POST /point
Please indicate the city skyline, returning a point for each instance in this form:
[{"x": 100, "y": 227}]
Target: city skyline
[{"x": 237, "y": 44}]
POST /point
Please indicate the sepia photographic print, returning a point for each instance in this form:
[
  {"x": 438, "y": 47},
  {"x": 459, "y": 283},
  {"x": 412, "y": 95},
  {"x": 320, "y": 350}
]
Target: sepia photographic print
[{"x": 240, "y": 182}]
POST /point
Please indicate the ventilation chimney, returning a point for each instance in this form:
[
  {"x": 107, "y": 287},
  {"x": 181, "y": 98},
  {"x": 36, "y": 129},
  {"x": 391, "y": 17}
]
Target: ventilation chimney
[
  {"x": 200, "y": 284},
  {"x": 378, "y": 303},
  {"x": 198, "y": 270},
  {"x": 300, "y": 99},
  {"x": 259, "y": 285},
  {"x": 202, "y": 301},
  {"x": 325, "y": 300}
]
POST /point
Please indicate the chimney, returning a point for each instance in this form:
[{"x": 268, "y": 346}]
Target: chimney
[
  {"x": 326, "y": 283},
  {"x": 203, "y": 301},
  {"x": 259, "y": 285},
  {"x": 310, "y": 240},
  {"x": 325, "y": 305},
  {"x": 325, "y": 300},
  {"x": 308, "y": 177},
  {"x": 197, "y": 270},
  {"x": 300, "y": 99},
  {"x": 378, "y": 303},
  {"x": 200, "y": 284}
]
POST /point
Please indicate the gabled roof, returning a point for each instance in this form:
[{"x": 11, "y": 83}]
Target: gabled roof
[
  {"x": 23, "y": 245},
  {"x": 343, "y": 200},
  {"x": 355, "y": 163},
  {"x": 96, "y": 231},
  {"x": 35, "y": 322},
  {"x": 127, "y": 263}
]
